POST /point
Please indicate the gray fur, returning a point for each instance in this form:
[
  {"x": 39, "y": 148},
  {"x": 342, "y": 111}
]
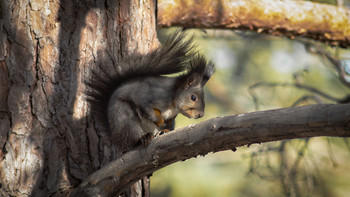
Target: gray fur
[{"x": 127, "y": 101}]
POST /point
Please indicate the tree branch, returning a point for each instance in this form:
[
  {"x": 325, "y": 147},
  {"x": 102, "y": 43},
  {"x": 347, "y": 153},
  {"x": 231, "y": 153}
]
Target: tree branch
[
  {"x": 217, "y": 134},
  {"x": 322, "y": 22}
]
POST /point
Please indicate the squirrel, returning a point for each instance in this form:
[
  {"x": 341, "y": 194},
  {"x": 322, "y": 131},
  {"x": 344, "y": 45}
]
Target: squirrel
[{"x": 137, "y": 99}]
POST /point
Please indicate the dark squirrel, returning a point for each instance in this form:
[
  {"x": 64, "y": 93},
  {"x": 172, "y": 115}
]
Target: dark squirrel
[{"x": 135, "y": 101}]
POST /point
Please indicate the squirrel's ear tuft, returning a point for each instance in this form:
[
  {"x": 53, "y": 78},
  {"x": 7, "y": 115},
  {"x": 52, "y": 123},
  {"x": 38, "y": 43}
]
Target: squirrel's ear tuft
[
  {"x": 198, "y": 74},
  {"x": 204, "y": 68},
  {"x": 186, "y": 81},
  {"x": 209, "y": 71}
]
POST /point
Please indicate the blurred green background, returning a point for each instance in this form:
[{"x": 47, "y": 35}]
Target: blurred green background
[{"x": 260, "y": 72}]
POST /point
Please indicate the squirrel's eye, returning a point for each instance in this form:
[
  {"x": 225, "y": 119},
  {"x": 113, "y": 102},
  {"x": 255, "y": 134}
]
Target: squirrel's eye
[{"x": 193, "y": 98}]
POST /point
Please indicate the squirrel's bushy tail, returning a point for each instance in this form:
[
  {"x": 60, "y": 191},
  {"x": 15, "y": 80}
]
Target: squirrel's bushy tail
[{"x": 170, "y": 58}]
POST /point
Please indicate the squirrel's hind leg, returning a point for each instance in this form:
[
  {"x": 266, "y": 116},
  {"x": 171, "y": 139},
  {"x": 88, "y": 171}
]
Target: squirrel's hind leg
[{"x": 128, "y": 127}]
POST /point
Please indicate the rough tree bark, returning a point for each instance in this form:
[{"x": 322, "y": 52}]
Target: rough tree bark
[
  {"x": 46, "y": 47},
  {"x": 326, "y": 23}
]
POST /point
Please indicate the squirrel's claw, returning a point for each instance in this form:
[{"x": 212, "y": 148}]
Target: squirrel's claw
[{"x": 146, "y": 139}]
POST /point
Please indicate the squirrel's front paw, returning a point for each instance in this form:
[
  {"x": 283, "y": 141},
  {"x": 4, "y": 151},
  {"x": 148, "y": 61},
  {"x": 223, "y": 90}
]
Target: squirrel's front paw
[
  {"x": 146, "y": 139},
  {"x": 164, "y": 131}
]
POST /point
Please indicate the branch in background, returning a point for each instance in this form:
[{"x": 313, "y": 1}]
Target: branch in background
[
  {"x": 286, "y": 173},
  {"x": 307, "y": 97},
  {"x": 314, "y": 48},
  {"x": 218, "y": 134},
  {"x": 222, "y": 96},
  {"x": 296, "y": 85},
  {"x": 322, "y": 22}
]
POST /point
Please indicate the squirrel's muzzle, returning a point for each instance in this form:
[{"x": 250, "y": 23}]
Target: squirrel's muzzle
[{"x": 193, "y": 113}]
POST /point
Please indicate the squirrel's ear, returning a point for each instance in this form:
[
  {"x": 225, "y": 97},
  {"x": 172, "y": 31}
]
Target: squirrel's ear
[
  {"x": 192, "y": 80},
  {"x": 209, "y": 71},
  {"x": 202, "y": 68},
  {"x": 189, "y": 80},
  {"x": 199, "y": 73}
]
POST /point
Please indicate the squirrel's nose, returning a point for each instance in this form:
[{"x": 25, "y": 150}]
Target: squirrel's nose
[{"x": 200, "y": 115}]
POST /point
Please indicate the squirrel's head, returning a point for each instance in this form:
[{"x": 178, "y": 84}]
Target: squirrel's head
[
  {"x": 190, "y": 102},
  {"x": 189, "y": 94}
]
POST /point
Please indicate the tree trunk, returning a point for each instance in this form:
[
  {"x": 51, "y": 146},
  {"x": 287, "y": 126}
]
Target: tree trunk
[{"x": 48, "y": 143}]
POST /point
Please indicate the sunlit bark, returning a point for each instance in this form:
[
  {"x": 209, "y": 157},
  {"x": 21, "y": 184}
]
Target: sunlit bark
[{"x": 326, "y": 23}]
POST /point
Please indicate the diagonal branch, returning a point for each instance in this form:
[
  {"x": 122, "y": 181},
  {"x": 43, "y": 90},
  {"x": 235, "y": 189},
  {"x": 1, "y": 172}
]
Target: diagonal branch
[
  {"x": 217, "y": 134},
  {"x": 322, "y": 22}
]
